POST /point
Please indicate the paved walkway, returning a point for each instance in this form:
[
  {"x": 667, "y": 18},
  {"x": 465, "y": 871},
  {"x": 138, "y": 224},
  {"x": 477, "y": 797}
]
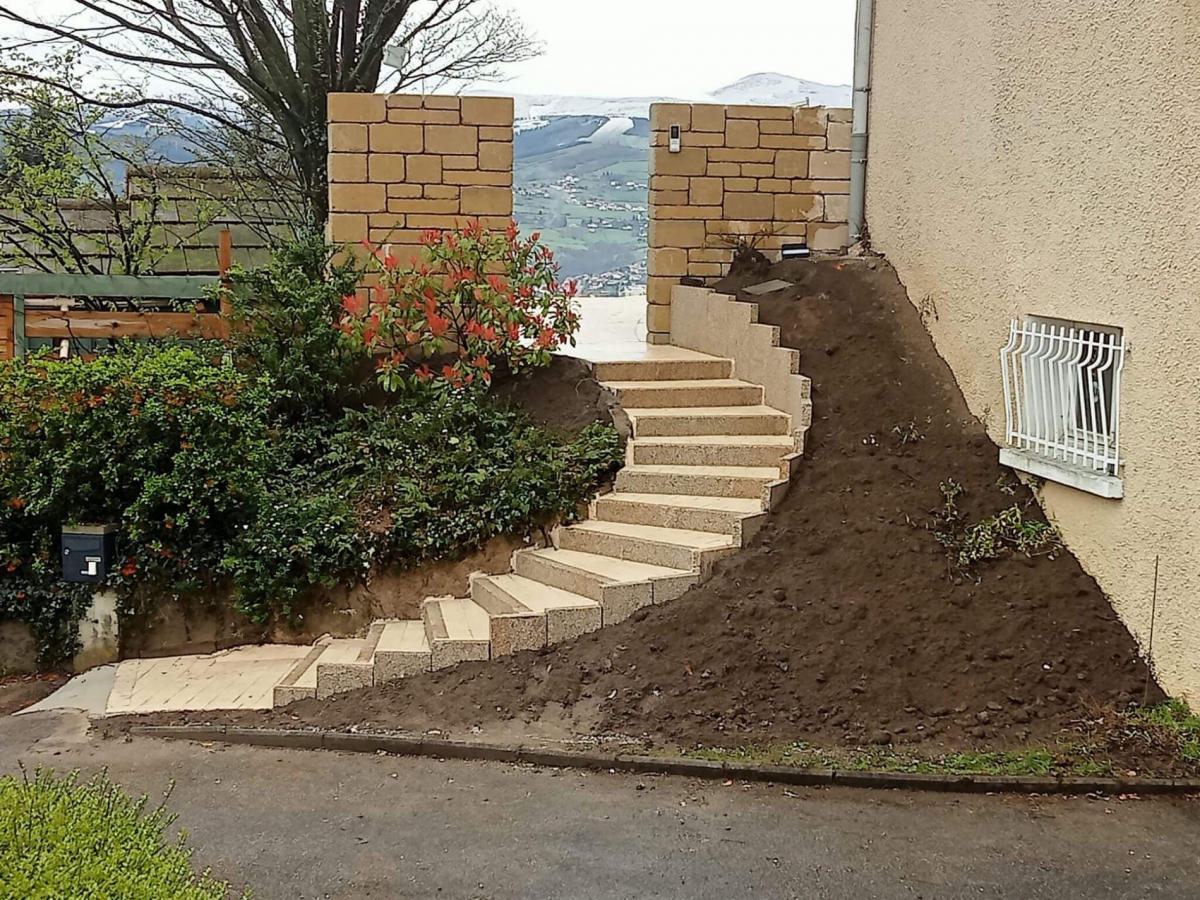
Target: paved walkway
[{"x": 310, "y": 826}]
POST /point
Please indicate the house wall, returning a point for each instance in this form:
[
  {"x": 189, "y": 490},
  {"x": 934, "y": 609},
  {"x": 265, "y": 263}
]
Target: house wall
[
  {"x": 1044, "y": 158},
  {"x": 403, "y": 163},
  {"x": 779, "y": 171}
]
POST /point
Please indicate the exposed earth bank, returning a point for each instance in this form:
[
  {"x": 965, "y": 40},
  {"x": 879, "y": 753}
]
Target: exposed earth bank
[{"x": 845, "y": 623}]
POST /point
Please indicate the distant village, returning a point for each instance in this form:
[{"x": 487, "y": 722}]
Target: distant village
[{"x": 629, "y": 281}]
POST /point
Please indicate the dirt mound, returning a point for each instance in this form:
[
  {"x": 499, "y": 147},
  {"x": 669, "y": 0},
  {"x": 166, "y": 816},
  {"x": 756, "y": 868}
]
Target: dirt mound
[
  {"x": 844, "y": 622},
  {"x": 564, "y": 395}
]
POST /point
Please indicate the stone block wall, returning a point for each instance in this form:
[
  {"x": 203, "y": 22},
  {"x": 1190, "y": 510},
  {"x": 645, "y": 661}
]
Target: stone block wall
[
  {"x": 779, "y": 172},
  {"x": 403, "y": 163}
]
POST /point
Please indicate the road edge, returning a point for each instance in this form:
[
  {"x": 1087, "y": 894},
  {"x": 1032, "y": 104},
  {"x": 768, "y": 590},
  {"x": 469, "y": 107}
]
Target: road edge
[{"x": 440, "y": 748}]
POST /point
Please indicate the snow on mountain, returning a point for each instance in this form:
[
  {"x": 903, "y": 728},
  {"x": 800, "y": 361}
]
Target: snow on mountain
[
  {"x": 773, "y": 89},
  {"x": 766, "y": 88}
]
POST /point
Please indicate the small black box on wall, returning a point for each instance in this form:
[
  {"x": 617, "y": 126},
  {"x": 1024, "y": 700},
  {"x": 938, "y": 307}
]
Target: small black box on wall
[{"x": 88, "y": 552}]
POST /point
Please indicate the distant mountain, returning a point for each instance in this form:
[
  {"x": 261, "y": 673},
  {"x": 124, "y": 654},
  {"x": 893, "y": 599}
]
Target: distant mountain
[{"x": 764, "y": 88}]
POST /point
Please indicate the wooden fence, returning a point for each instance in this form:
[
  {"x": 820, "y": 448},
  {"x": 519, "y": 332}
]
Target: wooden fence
[{"x": 37, "y": 307}]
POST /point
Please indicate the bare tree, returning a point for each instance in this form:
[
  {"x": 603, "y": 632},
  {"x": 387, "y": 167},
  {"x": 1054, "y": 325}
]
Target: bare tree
[{"x": 215, "y": 57}]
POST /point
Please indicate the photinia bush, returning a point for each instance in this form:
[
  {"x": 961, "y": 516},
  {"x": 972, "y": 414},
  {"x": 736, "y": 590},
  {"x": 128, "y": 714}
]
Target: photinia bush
[{"x": 475, "y": 300}]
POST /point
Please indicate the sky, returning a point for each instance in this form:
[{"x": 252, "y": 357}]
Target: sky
[{"x": 682, "y": 48}]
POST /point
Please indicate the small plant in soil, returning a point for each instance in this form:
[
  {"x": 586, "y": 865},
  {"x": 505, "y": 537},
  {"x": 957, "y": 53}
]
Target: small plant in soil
[
  {"x": 747, "y": 258},
  {"x": 1009, "y": 530},
  {"x": 907, "y": 433}
]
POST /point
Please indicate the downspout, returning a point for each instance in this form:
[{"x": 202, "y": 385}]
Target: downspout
[{"x": 864, "y": 22}]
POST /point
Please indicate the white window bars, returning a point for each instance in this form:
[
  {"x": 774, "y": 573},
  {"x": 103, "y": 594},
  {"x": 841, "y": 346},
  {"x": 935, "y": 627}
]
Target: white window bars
[{"x": 1062, "y": 392}]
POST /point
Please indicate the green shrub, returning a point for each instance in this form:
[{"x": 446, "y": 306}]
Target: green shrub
[
  {"x": 61, "y": 838},
  {"x": 286, "y": 316},
  {"x": 969, "y": 545}
]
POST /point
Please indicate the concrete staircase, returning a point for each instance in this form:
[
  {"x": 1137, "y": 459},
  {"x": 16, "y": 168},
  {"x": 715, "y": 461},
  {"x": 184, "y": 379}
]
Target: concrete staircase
[{"x": 706, "y": 462}]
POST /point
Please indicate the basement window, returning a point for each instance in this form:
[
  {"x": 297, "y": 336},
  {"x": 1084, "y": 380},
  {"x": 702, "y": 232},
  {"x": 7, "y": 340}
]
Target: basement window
[{"x": 1062, "y": 399}]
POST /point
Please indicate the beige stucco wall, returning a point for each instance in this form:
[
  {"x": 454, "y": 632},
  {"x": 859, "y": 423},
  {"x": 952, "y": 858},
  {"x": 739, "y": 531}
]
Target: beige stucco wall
[
  {"x": 780, "y": 174},
  {"x": 1044, "y": 158}
]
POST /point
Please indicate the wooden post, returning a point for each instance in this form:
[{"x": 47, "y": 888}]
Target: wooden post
[
  {"x": 7, "y": 344},
  {"x": 19, "y": 342},
  {"x": 224, "y": 263}
]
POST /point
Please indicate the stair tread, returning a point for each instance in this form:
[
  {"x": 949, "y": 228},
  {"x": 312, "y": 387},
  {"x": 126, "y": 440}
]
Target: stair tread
[
  {"x": 465, "y": 619},
  {"x": 713, "y": 411},
  {"x": 696, "y": 540},
  {"x": 680, "y": 383},
  {"x": 610, "y": 568},
  {"x": 737, "y": 440},
  {"x": 690, "y": 501},
  {"x": 403, "y": 637},
  {"x": 770, "y": 473},
  {"x": 337, "y": 651},
  {"x": 538, "y": 597}
]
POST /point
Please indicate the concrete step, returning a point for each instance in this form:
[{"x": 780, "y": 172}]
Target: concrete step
[
  {"x": 457, "y": 631},
  {"x": 691, "y": 366},
  {"x": 721, "y": 515},
  {"x": 712, "y": 450},
  {"x": 300, "y": 683},
  {"x": 707, "y": 420},
  {"x": 708, "y": 481},
  {"x": 693, "y": 393},
  {"x": 670, "y": 547},
  {"x": 403, "y": 650},
  {"x": 621, "y": 587},
  {"x": 341, "y": 667},
  {"x": 518, "y": 605}
]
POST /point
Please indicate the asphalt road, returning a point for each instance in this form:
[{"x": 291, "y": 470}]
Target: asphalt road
[{"x": 297, "y": 825}]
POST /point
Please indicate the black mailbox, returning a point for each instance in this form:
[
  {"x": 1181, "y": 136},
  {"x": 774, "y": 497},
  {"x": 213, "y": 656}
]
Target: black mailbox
[{"x": 88, "y": 552}]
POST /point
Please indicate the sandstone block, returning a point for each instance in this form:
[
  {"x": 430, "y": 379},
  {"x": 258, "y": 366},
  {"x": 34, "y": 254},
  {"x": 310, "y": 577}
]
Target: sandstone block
[
  {"x": 347, "y": 167},
  {"x": 741, "y": 155},
  {"x": 488, "y": 179},
  {"x": 490, "y": 111},
  {"x": 403, "y": 101},
  {"x": 424, "y": 169},
  {"x": 828, "y": 236},
  {"x": 838, "y": 136},
  {"x": 658, "y": 318},
  {"x": 758, "y": 170},
  {"x": 706, "y": 270},
  {"x": 496, "y": 133},
  {"x": 431, "y": 207},
  {"x": 724, "y": 169},
  {"x": 810, "y": 186},
  {"x": 455, "y": 140},
  {"x": 658, "y": 290},
  {"x": 356, "y": 107},
  {"x": 669, "y": 262},
  {"x": 659, "y": 199},
  {"x": 688, "y": 212},
  {"x": 830, "y": 164},
  {"x": 776, "y": 126},
  {"x": 711, "y": 255},
  {"x": 460, "y": 162},
  {"x": 775, "y": 185},
  {"x": 433, "y": 101},
  {"x": 758, "y": 112},
  {"x": 689, "y": 161},
  {"x": 749, "y": 206},
  {"x": 496, "y": 156},
  {"x": 810, "y": 120},
  {"x": 708, "y": 117},
  {"x": 741, "y": 133},
  {"x": 839, "y": 114},
  {"x": 424, "y": 116},
  {"x": 791, "y": 164},
  {"x": 741, "y": 184},
  {"x": 684, "y": 234},
  {"x": 669, "y": 183},
  {"x": 347, "y": 229},
  {"x": 389, "y": 138},
  {"x": 793, "y": 141},
  {"x": 799, "y": 207},
  {"x": 402, "y": 190},
  {"x": 664, "y": 115},
  {"x": 360, "y": 198},
  {"x": 487, "y": 201},
  {"x": 706, "y": 192},
  {"x": 837, "y": 208},
  {"x": 387, "y": 168},
  {"x": 441, "y": 191},
  {"x": 347, "y": 138}
]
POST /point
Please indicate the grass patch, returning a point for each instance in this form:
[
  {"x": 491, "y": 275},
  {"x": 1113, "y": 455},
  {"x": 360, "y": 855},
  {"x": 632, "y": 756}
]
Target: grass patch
[{"x": 60, "y": 837}]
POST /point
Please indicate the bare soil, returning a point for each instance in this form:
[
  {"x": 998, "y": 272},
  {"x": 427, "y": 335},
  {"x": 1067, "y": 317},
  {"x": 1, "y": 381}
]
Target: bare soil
[
  {"x": 844, "y": 623},
  {"x": 20, "y": 691}
]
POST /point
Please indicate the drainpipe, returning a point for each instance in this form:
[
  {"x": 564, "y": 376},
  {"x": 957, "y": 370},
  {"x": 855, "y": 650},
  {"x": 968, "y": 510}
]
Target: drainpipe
[{"x": 864, "y": 20}]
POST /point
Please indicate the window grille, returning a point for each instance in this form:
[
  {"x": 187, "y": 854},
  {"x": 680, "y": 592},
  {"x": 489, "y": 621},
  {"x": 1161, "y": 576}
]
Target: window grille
[{"x": 1062, "y": 392}]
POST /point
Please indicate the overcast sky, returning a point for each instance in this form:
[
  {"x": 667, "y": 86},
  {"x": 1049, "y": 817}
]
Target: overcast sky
[{"x": 683, "y": 48}]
